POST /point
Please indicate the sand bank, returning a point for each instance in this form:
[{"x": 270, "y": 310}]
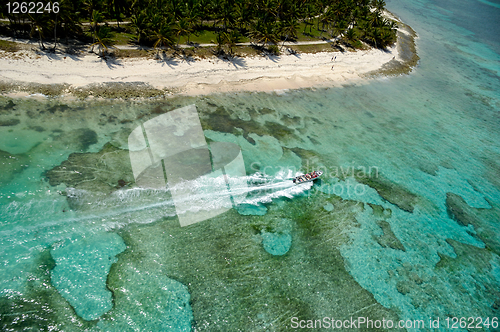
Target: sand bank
[{"x": 83, "y": 73}]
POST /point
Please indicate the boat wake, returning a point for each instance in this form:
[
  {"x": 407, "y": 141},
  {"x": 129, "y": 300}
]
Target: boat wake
[{"x": 142, "y": 205}]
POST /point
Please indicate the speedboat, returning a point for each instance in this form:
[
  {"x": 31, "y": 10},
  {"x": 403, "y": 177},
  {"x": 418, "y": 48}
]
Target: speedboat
[{"x": 307, "y": 177}]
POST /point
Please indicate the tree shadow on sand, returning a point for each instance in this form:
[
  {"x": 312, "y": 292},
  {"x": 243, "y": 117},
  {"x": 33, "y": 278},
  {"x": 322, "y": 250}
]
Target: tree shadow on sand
[
  {"x": 274, "y": 58},
  {"x": 72, "y": 49},
  {"x": 290, "y": 51},
  {"x": 236, "y": 61},
  {"x": 111, "y": 61},
  {"x": 187, "y": 58},
  {"x": 168, "y": 60},
  {"x": 58, "y": 55}
]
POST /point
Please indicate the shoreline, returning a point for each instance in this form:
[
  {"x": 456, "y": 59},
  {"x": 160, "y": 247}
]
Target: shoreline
[{"x": 26, "y": 73}]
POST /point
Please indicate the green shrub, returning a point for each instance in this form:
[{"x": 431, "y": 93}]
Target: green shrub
[{"x": 274, "y": 49}]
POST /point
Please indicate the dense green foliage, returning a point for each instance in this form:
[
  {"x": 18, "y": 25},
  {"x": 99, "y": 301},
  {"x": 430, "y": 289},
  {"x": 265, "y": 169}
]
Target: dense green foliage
[{"x": 164, "y": 22}]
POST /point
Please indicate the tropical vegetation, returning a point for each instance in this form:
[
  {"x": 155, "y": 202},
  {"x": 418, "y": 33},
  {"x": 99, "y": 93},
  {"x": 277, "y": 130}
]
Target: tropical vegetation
[{"x": 166, "y": 23}]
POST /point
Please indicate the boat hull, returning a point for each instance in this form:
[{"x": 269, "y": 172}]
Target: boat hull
[{"x": 307, "y": 177}]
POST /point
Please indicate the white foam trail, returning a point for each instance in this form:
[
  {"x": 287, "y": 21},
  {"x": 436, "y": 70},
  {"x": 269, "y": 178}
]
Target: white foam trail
[
  {"x": 259, "y": 189},
  {"x": 140, "y": 205}
]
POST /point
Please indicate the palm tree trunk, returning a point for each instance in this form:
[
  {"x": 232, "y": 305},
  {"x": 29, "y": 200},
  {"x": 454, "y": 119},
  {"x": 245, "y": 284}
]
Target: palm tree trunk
[
  {"x": 284, "y": 41},
  {"x": 41, "y": 40},
  {"x": 93, "y": 36},
  {"x": 55, "y": 34}
]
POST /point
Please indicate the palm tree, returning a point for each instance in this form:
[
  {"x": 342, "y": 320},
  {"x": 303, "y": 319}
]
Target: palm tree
[
  {"x": 268, "y": 10},
  {"x": 164, "y": 37},
  {"x": 96, "y": 19},
  {"x": 375, "y": 19},
  {"x": 173, "y": 7},
  {"x": 264, "y": 33},
  {"x": 288, "y": 29},
  {"x": 379, "y": 5},
  {"x": 339, "y": 28},
  {"x": 140, "y": 23},
  {"x": 116, "y": 7},
  {"x": 373, "y": 35},
  {"x": 308, "y": 16},
  {"x": 69, "y": 19},
  {"x": 104, "y": 39},
  {"x": 226, "y": 15},
  {"x": 243, "y": 13},
  {"x": 363, "y": 26},
  {"x": 393, "y": 25},
  {"x": 263, "y": 21},
  {"x": 55, "y": 33},
  {"x": 289, "y": 10},
  {"x": 182, "y": 28},
  {"x": 386, "y": 37},
  {"x": 38, "y": 24},
  {"x": 192, "y": 15},
  {"x": 91, "y": 6},
  {"x": 232, "y": 38},
  {"x": 220, "y": 41},
  {"x": 325, "y": 20},
  {"x": 350, "y": 35}
]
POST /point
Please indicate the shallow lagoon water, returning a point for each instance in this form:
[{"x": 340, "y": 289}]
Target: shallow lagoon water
[{"x": 404, "y": 224}]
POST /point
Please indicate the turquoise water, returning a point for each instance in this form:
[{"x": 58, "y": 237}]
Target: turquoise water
[{"x": 404, "y": 224}]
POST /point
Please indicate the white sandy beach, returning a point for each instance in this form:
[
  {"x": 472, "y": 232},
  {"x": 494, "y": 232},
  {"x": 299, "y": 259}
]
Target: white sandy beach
[{"x": 201, "y": 76}]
